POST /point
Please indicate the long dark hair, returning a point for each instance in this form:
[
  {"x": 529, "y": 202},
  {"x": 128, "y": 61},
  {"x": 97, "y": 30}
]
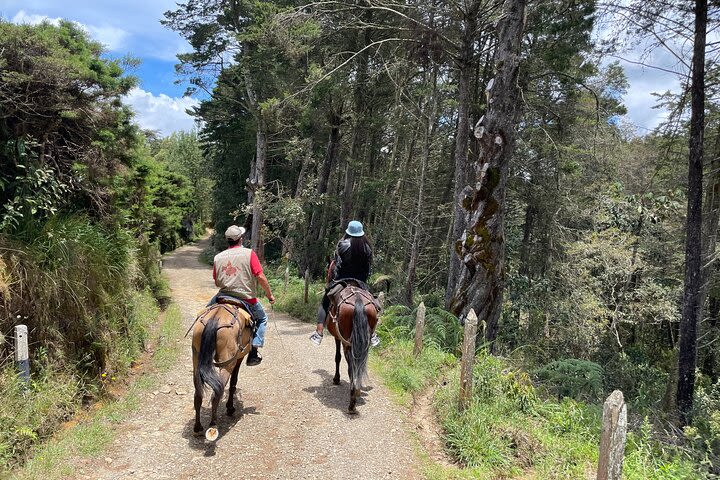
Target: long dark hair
[{"x": 360, "y": 248}]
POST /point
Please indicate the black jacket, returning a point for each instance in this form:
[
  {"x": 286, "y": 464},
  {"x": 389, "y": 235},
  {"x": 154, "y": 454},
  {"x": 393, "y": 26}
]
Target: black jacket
[{"x": 348, "y": 267}]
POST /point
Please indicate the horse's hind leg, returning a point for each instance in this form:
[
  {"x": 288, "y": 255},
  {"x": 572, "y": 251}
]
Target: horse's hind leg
[
  {"x": 338, "y": 358},
  {"x": 197, "y": 428},
  {"x": 231, "y": 392},
  {"x": 225, "y": 374},
  {"x": 353, "y": 390}
]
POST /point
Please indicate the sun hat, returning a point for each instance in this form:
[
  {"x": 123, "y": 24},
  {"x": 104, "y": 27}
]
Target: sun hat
[
  {"x": 355, "y": 229},
  {"x": 234, "y": 232}
]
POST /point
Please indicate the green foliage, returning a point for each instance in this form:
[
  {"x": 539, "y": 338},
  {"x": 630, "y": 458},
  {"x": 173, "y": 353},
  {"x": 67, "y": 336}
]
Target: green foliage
[
  {"x": 404, "y": 373},
  {"x": 442, "y": 329},
  {"x": 577, "y": 379},
  {"x": 704, "y": 434},
  {"x": 508, "y": 431},
  {"x": 32, "y": 415},
  {"x": 292, "y": 300},
  {"x": 90, "y": 436}
]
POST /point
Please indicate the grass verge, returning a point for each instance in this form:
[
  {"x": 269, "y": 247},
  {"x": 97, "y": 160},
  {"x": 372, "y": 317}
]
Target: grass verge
[{"x": 96, "y": 429}]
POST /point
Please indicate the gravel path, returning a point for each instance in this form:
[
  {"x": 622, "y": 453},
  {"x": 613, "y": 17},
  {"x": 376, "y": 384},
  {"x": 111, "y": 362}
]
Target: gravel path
[{"x": 291, "y": 423}]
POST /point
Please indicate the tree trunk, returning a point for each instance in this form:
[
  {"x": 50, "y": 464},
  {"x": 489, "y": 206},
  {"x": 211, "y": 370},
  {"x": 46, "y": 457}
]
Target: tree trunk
[
  {"x": 361, "y": 113},
  {"x": 302, "y": 176},
  {"x": 311, "y": 259},
  {"x": 417, "y": 221},
  {"x": 259, "y": 181},
  {"x": 687, "y": 356},
  {"x": 482, "y": 245},
  {"x": 465, "y": 73}
]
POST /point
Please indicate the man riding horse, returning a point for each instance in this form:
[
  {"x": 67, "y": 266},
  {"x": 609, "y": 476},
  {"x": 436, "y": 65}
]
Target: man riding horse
[
  {"x": 237, "y": 272},
  {"x": 353, "y": 259}
]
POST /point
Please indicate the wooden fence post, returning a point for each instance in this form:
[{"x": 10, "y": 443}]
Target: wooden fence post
[
  {"x": 287, "y": 275},
  {"x": 419, "y": 329},
  {"x": 22, "y": 359},
  {"x": 468, "y": 359},
  {"x": 307, "y": 283},
  {"x": 612, "y": 438}
]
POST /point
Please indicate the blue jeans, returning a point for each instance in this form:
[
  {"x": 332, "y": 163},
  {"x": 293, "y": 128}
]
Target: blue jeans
[{"x": 260, "y": 317}]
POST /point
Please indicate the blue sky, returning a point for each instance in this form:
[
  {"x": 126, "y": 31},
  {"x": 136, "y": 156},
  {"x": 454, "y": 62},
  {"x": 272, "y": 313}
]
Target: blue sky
[{"x": 133, "y": 27}]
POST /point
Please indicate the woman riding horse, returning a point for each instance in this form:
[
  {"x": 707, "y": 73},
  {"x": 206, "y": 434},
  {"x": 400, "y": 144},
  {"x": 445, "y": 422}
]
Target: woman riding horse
[{"x": 353, "y": 259}]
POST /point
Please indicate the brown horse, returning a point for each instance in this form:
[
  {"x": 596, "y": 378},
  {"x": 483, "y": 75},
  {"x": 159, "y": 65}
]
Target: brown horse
[
  {"x": 353, "y": 316},
  {"x": 221, "y": 338}
]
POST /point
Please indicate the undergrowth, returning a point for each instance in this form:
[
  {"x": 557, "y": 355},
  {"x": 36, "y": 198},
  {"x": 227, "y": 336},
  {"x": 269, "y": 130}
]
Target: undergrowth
[
  {"x": 509, "y": 430},
  {"x": 88, "y": 293},
  {"x": 92, "y": 434},
  {"x": 31, "y": 413},
  {"x": 292, "y": 300}
]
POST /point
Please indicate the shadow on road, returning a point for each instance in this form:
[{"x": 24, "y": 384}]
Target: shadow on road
[
  {"x": 225, "y": 424},
  {"x": 335, "y": 396}
]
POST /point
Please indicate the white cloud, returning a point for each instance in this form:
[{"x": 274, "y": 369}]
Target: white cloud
[
  {"x": 161, "y": 113},
  {"x": 124, "y": 26},
  {"x": 112, "y": 37},
  {"x": 33, "y": 19}
]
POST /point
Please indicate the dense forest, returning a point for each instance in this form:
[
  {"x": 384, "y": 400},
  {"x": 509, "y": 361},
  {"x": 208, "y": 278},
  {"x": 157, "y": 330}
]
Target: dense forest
[{"x": 483, "y": 144}]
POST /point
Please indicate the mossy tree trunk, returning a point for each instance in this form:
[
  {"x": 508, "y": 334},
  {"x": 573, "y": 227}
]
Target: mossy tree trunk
[{"x": 481, "y": 248}]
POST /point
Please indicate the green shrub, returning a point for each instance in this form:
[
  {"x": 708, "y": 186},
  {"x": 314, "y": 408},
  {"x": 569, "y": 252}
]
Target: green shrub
[
  {"x": 292, "y": 301},
  {"x": 442, "y": 329},
  {"x": 642, "y": 384},
  {"x": 578, "y": 379},
  {"x": 405, "y": 373},
  {"x": 31, "y": 415}
]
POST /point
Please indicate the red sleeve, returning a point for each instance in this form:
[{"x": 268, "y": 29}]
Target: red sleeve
[
  {"x": 255, "y": 266},
  {"x": 214, "y": 273}
]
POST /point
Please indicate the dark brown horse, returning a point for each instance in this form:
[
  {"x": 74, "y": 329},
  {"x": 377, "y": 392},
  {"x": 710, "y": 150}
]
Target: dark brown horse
[
  {"x": 352, "y": 319},
  {"x": 221, "y": 338}
]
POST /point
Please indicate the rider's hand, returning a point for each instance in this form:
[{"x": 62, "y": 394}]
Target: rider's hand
[{"x": 271, "y": 298}]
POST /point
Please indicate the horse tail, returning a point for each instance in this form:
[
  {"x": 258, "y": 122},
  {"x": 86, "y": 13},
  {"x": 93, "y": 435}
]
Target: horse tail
[
  {"x": 360, "y": 340},
  {"x": 206, "y": 370}
]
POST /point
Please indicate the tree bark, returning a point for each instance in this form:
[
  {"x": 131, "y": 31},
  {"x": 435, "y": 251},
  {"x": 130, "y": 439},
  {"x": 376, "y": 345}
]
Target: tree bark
[
  {"x": 258, "y": 183},
  {"x": 687, "y": 356},
  {"x": 481, "y": 248},
  {"x": 465, "y": 72}
]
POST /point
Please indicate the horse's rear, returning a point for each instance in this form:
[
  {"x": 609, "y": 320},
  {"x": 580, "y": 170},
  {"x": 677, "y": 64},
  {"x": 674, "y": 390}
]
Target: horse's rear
[
  {"x": 221, "y": 339},
  {"x": 353, "y": 319}
]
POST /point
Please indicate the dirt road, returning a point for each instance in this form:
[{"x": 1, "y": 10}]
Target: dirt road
[{"x": 292, "y": 424}]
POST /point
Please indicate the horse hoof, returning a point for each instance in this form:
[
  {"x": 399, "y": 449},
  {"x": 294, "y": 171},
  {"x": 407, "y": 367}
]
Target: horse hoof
[
  {"x": 198, "y": 430},
  {"x": 336, "y": 381},
  {"x": 230, "y": 412},
  {"x": 211, "y": 434}
]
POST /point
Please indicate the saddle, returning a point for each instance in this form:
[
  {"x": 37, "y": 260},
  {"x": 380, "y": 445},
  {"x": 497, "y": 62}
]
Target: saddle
[
  {"x": 237, "y": 308},
  {"x": 341, "y": 290}
]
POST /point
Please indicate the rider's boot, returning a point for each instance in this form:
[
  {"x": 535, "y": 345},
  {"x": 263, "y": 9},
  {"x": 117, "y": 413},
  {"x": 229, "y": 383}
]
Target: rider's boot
[{"x": 253, "y": 357}]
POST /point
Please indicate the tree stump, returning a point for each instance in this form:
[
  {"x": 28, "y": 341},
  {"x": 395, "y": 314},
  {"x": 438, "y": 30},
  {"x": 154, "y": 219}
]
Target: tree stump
[
  {"x": 612, "y": 439},
  {"x": 419, "y": 329},
  {"x": 468, "y": 359}
]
